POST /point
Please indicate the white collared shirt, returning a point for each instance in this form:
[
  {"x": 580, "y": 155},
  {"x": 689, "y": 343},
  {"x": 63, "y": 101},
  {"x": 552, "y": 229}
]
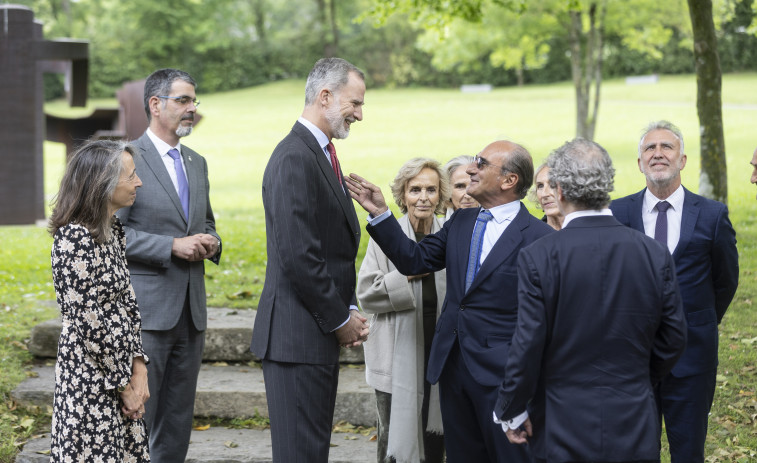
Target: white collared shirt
[
  {"x": 674, "y": 213},
  {"x": 163, "y": 149},
  {"x": 503, "y": 216},
  {"x": 586, "y": 213}
]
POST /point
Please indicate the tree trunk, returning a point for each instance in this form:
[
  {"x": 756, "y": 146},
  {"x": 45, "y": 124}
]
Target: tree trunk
[
  {"x": 713, "y": 176},
  {"x": 258, "y": 7},
  {"x": 334, "y": 29},
  {"x": 576, "y": 68},
  {"x": 321, "y": 26},
  {"x": 586, "y": 65}
]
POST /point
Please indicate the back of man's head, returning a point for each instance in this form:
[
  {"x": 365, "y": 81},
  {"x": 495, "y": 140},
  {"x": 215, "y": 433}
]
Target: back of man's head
[
  {"x": 329, "y": 73},
  {"x": 584, "y": 172}
]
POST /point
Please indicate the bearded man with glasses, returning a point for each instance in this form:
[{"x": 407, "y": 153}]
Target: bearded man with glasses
[{"x": 170, "y": 231}]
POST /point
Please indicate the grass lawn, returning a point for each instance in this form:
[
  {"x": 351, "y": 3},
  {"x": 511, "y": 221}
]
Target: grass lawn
[{"x": 241, "y": 128}]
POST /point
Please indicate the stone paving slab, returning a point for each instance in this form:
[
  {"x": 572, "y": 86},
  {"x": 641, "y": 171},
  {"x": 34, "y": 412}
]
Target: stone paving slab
[
  {"x": 221, "y": 445},
  {"x": 231, "y": 392},
  {"x": 227, "y": 338}
]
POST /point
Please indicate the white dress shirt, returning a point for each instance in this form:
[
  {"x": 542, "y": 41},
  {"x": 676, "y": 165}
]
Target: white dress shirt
[
  {"x": 503, "y": 216},
  {"x": 674, "y": 213},
  {"x": 163, "y": 149},
  {"x": 586, "y": 213}
]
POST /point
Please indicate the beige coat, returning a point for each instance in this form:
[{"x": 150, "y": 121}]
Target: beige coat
[{"x": 394, "y": 349}]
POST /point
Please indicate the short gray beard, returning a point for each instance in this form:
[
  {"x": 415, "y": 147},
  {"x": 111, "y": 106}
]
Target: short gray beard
[
  {"x": 183, "y": 131},
  {"x": 336, "y": 122}
]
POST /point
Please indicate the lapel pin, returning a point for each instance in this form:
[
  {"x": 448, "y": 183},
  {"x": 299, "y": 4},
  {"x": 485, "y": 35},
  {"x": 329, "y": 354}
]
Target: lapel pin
[{"x": 189, "y": 158}]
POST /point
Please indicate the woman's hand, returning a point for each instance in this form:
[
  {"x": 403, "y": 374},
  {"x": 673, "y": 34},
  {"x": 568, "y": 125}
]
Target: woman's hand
[{"x": 136, "y": 393}]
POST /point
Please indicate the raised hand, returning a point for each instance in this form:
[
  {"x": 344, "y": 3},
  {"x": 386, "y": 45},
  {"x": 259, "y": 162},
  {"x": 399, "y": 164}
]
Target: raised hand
[{"x": 366, "y": 194}]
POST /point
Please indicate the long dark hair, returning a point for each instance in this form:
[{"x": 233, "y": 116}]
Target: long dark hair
[{"x": 91, "y": 177}]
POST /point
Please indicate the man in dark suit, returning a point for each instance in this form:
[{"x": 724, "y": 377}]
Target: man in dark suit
[
  {"x": 170, "y": 231},
  {"x": 478, "y": 247},
  {"x": 698, "y": 234},
  {"x": 308, "y": 306},
  {"x": 599, "y": 322}
]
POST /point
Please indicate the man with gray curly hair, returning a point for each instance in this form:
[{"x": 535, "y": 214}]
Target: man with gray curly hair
[{"x": 600, "y": 312}]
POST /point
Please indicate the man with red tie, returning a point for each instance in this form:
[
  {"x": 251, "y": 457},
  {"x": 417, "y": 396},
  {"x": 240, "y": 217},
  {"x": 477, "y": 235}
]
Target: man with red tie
[{"x": 308, "y": 307}]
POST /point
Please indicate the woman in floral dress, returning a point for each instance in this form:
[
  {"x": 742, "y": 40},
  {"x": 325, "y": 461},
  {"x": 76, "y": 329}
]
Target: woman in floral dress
[{"x": 100, "y": 373}]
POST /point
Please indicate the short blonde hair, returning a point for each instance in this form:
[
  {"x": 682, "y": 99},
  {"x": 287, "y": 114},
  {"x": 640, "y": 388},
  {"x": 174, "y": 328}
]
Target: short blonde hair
[
  {"x": 409, "y": 171},
  {"x": 532, "y": 192}
]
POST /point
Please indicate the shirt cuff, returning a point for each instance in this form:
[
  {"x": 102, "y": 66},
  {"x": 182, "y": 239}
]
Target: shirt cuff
[
  {"x": 512, "y": 423},
  {"x": 373, "y": 221},
  {"x": 352, "y": 307}
]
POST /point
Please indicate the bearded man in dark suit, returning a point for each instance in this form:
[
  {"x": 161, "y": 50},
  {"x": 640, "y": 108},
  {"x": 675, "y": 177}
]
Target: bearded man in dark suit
[
  {"x": 308, "y": 306},
  {"x": 170, "y": 232}
]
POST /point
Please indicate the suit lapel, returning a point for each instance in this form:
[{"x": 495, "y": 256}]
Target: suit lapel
[
  {"x": 327, "y": 171},
  {"x": 688, "y": 222},
  {"x": 462, "y": 237},
  {"x": 634, "y": 213},
  {"x": 155, "y": 164},
  {"x": 194, "y": 181},
  {"x": 507, "y": 243}
]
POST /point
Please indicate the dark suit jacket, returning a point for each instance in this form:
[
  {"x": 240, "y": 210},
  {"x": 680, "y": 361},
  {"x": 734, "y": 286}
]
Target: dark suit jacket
[
  {"x": 599, "y": 322},
  {"x": 484, "y": 318},
  {"x": 707, "y": 265},
  {"x": 312, "y": 235},
  {"x": 161, "y": 280}
]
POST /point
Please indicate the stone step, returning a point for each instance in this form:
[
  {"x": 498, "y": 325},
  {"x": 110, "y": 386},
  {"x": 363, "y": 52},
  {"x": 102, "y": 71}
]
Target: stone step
[
  {"x": 221, "y": 445},
  {"x": 227, "y": 338},
  {"x": 231, "y": 392}
]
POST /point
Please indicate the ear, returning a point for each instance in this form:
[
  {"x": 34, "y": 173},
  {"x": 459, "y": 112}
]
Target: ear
[
  {"x": 324, "y": 96},
  {"x": 683, "y": 161},
  {"x": 154, "y": 105},
  {"x": 509, "y": 181},
  {"x": 638, "y": 162}
]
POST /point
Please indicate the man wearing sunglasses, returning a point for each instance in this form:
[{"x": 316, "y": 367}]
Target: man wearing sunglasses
[
  {"x": 479, "y": 248},
  {"x": 170, "y": 231}
]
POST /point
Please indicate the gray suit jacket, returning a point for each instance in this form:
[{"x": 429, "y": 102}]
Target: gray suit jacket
[
  {"x": 312, "y": 236},
  {"x": 161, "y": 280}
]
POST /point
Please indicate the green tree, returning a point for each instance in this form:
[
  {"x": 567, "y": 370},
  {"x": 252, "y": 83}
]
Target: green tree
[{"x": 516, "y": 35}]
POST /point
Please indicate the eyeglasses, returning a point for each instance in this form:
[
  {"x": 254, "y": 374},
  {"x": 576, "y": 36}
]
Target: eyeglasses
[
  {"x": 182, "y": 100},
  {"x": 481, "y": 162}
]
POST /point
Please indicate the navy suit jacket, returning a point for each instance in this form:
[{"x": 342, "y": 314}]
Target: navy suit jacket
[
  {"x": 707, "y": 265},
  {"x": 312, "y": 238},
  {"x": 482, "y": 319},
  {"x": 600, "y": 321}
]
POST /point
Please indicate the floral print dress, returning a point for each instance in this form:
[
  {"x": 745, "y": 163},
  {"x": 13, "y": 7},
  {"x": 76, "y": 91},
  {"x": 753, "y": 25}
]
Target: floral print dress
[{"x": 100, "y": 337}]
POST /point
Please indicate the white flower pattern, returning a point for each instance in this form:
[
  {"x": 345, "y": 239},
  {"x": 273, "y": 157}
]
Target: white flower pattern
[{"x": 100, "y": 337}]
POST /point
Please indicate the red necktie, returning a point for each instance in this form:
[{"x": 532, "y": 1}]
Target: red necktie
[{"x": 334, "y": 161}]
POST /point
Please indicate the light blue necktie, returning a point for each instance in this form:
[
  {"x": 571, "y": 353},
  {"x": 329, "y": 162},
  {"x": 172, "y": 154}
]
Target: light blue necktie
[
  {"x": 474, "y": 255},
  {"x": 181, "y": 179}
]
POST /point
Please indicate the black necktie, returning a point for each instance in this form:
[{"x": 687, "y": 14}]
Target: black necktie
[{"x": 661, "y": 227}]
